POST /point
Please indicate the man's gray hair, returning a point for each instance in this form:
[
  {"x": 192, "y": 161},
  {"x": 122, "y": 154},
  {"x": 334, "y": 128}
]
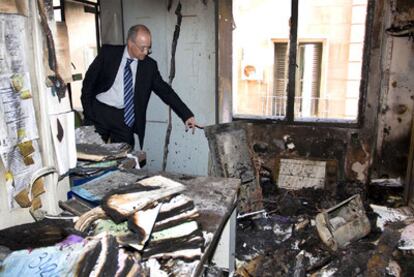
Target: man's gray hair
[{"x": 134, "y": 30}]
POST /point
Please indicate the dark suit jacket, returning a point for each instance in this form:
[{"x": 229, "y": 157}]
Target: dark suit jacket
[{"x": 101, "y": 75}]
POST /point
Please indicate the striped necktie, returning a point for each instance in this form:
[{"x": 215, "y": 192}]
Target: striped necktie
[{"x": 129, "y": 114}]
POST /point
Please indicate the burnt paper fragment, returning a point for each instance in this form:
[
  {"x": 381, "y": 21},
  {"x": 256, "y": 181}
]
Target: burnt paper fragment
[
  {"x": 176, "y": 220},
  {"x": 133, "y": 233},
  {"x": 180, "y": 231},
  {"x": 60, "y": 131},
  {"x": 129, "y": 239},
  {"x": 172, "y": 248},
  {"x": 142, "y": 223},
  {"x": 119, "y": 205},
  {"x": 127, "y": 265},
  {"x": 98, "y": 257},
  {"x": 107, "y": 257},
  {"x": 88, "y": 259},
  {"x": 176, "y": 205}
]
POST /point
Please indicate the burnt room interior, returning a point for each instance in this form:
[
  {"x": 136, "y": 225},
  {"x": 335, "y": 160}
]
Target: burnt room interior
[{"x": 301, "y": 162}]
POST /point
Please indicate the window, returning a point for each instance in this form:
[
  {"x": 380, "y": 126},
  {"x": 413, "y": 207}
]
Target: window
[
  {"x": 57, "y": 10},
  {"x": 308, "y": 79},
  {"x": 329, "y": 40}
]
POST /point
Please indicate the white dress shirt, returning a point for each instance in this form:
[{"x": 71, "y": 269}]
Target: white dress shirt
[{"x": 115, "y": 95}]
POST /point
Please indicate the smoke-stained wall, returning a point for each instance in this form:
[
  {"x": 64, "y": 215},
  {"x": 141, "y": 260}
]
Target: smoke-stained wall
[{"x": 194, "y": 78}]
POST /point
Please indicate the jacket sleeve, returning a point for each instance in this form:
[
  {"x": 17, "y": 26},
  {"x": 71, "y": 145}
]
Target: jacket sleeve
[
  {"x": 169, "y": 97},
  {"x": 89, "y": 87}
]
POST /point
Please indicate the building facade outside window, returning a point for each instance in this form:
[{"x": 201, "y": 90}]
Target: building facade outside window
[{"x": 329, "y": 59}]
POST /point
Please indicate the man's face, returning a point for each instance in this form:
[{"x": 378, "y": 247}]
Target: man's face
[{"x": 141, "y": 46}]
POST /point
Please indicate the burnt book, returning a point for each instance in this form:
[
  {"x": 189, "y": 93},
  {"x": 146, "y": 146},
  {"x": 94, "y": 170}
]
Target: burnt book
[
  {"x": 102, "y": 152},
  {"x": 103, "y": 257},
  {"x": 124, "y": 202},
  {"x": 177, "y": 210},
  {"x": 46, "y": 232},
  {"x": 75, "y": 206},
  {"x": 184, "y": 241}
]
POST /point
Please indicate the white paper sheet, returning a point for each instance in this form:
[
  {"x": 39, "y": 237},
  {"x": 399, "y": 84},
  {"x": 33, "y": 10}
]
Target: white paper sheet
[
  {"x": 21, "y": 173},
  {"x": 12, "y": 44},
  {"x": 17, "y": 117},
  {"x": 54, "y": 106},
  {"x": 63, "y": 133},
  {"x": 18, "y": 121}
]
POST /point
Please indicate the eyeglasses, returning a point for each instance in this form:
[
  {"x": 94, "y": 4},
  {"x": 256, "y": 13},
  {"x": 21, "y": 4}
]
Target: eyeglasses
[{"x": 143, "y": 48}]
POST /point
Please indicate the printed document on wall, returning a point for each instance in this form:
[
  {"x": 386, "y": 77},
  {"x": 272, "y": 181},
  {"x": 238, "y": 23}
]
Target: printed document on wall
[
  {"x": 20, "y": 163},
  {"x": 18, "y": 122},
  {"x": 17, "y": 117}
]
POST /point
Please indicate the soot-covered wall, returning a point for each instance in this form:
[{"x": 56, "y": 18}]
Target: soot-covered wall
[{"x": 378, "y": 147}]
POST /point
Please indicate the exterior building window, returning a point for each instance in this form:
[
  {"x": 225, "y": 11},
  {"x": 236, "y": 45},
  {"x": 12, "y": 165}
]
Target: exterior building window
[{"x": 328, "y": 59}]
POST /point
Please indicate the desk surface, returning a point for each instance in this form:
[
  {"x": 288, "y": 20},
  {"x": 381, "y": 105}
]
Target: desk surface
[{"x": 214, "y": 198}]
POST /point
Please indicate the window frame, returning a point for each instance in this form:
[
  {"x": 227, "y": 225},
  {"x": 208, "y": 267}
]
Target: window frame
[
  {"x": 289, "y": 118},
  {"x": 303, "y": 41}
]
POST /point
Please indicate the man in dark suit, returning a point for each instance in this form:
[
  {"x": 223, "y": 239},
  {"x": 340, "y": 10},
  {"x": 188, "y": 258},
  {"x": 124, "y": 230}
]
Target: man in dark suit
[{"x": 118, "y": 85}]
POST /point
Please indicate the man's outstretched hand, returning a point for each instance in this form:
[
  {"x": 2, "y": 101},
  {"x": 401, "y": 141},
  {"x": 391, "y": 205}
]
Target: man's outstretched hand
[{"x": 191, "y": 124}]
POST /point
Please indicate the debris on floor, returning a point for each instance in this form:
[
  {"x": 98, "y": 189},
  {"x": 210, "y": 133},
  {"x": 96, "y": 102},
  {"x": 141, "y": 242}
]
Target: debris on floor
[
  {"x": 313, "y": 232},
  {"x": 311, "y": 221},
  {"x": 343, "y": 224}
]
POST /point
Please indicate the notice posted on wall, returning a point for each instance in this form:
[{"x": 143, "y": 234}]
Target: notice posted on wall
[
  {"x": 18, "y": 129},
  {"x": 18, "y": 122},
  {"x": 21, "y": 162},
  {"x": 19, "y": 151},
  {"x": 13, "y": 44}
]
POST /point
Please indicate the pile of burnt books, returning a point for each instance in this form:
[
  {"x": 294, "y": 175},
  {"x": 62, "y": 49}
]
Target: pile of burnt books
[
  {"x": 136, "y": 225},
  {"x": 95, "y": 156},
  {"x": 152, "y": 216}
]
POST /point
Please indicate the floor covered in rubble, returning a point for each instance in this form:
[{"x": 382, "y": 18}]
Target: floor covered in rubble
[{"x": 283, "y": 240}]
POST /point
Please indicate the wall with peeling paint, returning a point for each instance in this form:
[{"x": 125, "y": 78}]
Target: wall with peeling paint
[
  {"x": 351, "y": 146},
  {"x": 378, "y": 147},
  {"x": 194, "y": 79},
  {"x": 390, "y": 91},
  {"x": 394, "y": 126}
]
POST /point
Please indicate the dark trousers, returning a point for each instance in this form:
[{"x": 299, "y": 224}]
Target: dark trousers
[{"x": 109, "y": 123}]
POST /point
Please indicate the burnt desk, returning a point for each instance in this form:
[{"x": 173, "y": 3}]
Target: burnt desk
[{"x": 215, "y": 199}]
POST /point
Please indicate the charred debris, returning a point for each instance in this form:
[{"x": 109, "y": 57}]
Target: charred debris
[
  {"x": 298, "y": 217},
  {"x": 352, "y": 230}
]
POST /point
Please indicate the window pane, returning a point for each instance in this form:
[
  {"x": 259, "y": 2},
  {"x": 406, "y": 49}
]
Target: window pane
[
  {"x": 308, "y": 79},
  {"x": 57, "y": 15},
  {"x": 280, "y": 79},
  {"x": 259, "y": 64},
  {"x": 340, "y": 26}
]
